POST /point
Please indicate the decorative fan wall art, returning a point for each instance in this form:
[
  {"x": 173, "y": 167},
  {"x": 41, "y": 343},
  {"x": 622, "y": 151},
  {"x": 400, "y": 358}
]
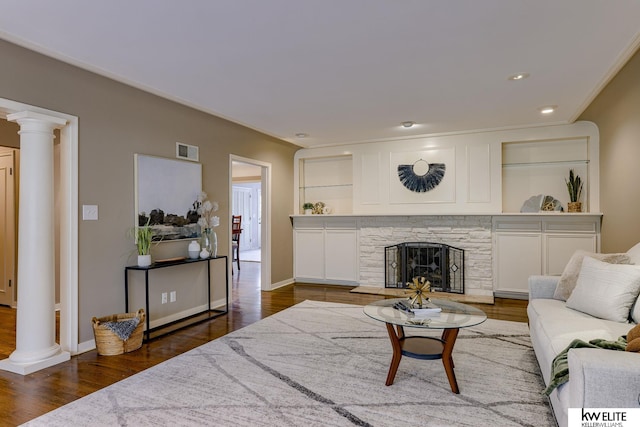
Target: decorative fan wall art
[{"x": 421, "y": 176}]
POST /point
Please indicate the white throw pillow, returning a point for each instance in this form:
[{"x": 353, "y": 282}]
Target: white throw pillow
[
  {"x": 571, "y": 271},
  {"x": 635, "y": 311},
  {"x": 634, "y": 254},
  {"x": 604, "y": 290}
]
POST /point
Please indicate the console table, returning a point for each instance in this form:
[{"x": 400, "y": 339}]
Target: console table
[{"x": 211, "y": 313}]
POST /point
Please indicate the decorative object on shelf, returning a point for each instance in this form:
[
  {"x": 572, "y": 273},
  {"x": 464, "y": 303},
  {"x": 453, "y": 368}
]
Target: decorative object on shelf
[
  {"x": 327, "y": 210},
  {"x": 541, "y": 203},
  {"x": 144, "y": 234},
  {"x": 421, "y": 176},
  {"x": 417, "y": 290},
  {"x": 194, "y": 249},
  {"x": 207, "y": 221},
  {"x": 574, "y": 186},
  {"x": 318, "y": 208},
  {"x": 204, "y": 253},
  {"x": 307, "y": 208}
]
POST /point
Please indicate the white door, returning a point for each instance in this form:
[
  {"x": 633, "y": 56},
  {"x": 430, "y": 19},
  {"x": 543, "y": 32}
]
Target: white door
[
  {"x": 7, "y": 228},
  {"x": 242, "y": 206},
  {"x": 258, "y": 243},
  {"x": 518, "y": 256},
  {"x": 341, "y": 255}
]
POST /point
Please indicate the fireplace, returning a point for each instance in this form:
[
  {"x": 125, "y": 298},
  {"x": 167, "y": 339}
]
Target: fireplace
[{"x": 442, "y": 265}]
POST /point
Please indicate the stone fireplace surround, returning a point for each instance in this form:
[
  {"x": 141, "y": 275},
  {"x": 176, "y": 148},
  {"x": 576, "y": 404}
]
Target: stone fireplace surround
[{"x": 470, "y": 233}]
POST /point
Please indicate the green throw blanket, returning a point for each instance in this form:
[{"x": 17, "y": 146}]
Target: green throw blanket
[{"x": 560, "y": 365}]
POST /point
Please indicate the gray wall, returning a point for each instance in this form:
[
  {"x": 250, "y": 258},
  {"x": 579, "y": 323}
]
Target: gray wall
[
  {"x": 616, "y": 111},
  {"x": 116, "y": 121}
]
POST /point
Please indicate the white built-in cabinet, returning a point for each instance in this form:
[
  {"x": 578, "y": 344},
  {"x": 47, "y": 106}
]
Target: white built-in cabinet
[
  {"x": 526, "y": 245},
  {"x": 487, "y": 173},
  {"x": 326, "y": 250}
]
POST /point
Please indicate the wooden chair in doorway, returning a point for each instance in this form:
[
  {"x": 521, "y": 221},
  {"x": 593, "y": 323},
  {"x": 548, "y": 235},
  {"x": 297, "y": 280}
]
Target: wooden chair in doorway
[{"x": 236, "y": 230}]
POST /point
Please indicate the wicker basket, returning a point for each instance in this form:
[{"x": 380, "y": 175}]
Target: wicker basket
[{"x": 110, "y": 344}]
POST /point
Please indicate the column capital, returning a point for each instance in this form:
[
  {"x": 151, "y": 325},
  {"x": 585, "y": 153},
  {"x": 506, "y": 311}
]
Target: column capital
[{"x": 31, "y": 116}]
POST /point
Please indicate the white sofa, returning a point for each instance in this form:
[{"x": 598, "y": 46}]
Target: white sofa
[{"x": 598, "y": 378}]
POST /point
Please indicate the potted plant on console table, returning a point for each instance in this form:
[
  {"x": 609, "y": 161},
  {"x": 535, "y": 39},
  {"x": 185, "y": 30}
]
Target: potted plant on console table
[{"x": 144, "y": 234}]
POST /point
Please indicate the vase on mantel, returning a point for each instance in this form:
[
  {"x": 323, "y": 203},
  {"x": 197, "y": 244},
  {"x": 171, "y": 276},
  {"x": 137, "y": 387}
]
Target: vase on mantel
[
  {"x": 209, "y": 241},
  {"x": 574, "y": 207}
]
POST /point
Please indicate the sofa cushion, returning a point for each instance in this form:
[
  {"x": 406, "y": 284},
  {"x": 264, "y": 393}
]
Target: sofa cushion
[
  {"x": 604, "y": 290},
  {"x": 553, "y": 326},
  {"x": 569, "y": 276}
]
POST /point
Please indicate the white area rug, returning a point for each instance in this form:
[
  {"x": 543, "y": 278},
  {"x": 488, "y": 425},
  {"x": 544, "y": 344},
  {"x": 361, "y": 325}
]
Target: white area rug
[{"x": 324, "y": 364}]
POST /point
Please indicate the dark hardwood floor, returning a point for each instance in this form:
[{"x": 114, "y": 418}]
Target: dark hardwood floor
[{"x": 26, "y": 397}]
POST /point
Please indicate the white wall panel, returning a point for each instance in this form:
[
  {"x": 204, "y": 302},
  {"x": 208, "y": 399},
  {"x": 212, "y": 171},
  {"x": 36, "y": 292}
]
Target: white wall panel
[
  {"x": 370, "y": 176},
  {"x": 479, "y": 173}
]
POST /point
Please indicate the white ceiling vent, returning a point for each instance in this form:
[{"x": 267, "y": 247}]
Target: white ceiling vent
[{"x": 187, "y": 152}]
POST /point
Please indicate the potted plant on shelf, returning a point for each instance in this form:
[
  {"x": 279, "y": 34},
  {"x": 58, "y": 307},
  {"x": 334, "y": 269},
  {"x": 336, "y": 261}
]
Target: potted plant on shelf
[
  {"x": 308, "y": 208},
  {"x": 574, "y": 186},
  {"x": 144, "y": 233}
]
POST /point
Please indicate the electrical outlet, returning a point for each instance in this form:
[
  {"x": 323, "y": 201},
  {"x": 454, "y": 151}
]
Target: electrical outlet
[
  {"x": 172, "y": 296},
  {"x": 164, "y": 297}
]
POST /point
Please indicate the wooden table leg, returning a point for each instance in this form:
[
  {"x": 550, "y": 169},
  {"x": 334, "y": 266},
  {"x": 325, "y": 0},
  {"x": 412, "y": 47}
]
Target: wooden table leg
[
  {"x": 449, "y": 337},
  {"x": 397, "y": 352}
]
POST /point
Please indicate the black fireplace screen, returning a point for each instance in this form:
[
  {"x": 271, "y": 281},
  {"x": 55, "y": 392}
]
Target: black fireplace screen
[{"x": 442, "y": 265}]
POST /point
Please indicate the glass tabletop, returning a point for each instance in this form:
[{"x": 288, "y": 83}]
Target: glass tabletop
[{"x": 453, "y": 314}]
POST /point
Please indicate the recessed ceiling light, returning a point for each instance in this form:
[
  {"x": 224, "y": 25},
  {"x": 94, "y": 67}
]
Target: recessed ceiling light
[
  {"x": 549, "y": 109},
  {"x": 519, "y": 76},
  {"x": 408, "y": 124},
  {"x": 301, "y": 135}
]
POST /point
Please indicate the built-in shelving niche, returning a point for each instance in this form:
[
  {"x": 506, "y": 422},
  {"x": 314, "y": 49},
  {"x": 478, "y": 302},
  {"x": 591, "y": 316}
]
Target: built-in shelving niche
[
  {"x": 328, "y": 180},
  {"x": 541, "y": 167}
]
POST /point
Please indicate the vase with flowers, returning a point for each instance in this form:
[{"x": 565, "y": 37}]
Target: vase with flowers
[{"x": 207, "y": 222}]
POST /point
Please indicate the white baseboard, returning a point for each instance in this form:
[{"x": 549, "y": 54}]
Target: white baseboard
[
  {"x": 282, "y": 283},
  {"x": 317, "y": 281},
  {"x": 511, "y": 295},
  {"x": 218, "y": 304},
  {"x": 85, "y": 346}
]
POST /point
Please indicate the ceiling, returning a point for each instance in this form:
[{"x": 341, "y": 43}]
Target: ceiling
[{"x": 344, "y": 71}]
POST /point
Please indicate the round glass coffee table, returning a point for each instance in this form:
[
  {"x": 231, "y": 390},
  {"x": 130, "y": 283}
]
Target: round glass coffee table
[{"x": 450, "y": 319}]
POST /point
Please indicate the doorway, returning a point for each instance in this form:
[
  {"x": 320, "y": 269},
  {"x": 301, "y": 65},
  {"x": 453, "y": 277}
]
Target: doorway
[
  {"x": 8, "y": 245},
  {"x": 246, "y": 204},
  {"x": 249, "y": 192}
]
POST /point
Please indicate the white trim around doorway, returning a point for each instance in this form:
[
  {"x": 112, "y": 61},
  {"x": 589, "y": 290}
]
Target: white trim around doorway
[{"x": 265, "y": 236}]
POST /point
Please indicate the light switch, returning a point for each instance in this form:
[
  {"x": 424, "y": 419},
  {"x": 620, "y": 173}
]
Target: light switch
[{"x": 90, "y": 212}]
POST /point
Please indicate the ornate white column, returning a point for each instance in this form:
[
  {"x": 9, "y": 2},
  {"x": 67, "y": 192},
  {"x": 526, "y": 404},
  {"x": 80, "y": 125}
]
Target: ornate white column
[{"x": 36, "y": 346}]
